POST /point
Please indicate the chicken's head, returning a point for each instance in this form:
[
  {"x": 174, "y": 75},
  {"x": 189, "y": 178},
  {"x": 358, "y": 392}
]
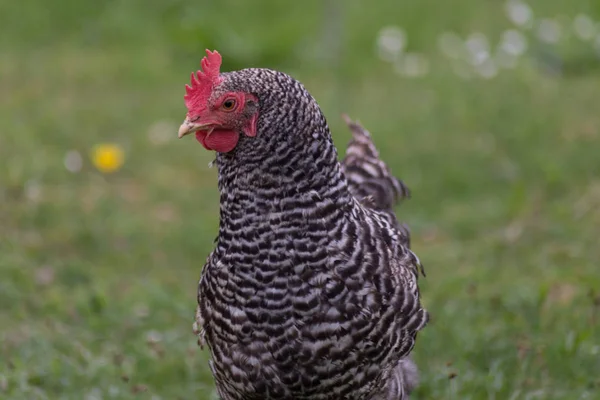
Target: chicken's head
[{"x": 217, "y": 115}]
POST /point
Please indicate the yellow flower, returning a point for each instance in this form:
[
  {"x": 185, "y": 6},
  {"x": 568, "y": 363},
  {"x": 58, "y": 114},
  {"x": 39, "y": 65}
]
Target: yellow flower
[{"x": 108, "y": 157}]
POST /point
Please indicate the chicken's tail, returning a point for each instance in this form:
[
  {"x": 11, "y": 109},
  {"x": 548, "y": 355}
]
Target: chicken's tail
[{"x": 369, "y": 178}]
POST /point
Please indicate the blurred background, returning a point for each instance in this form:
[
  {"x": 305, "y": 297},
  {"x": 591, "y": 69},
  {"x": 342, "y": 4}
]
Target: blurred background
[{"x": 489, "y": 110}]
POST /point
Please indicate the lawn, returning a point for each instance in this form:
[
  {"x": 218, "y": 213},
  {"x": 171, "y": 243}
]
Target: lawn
[{"x": 98, "y": 270}]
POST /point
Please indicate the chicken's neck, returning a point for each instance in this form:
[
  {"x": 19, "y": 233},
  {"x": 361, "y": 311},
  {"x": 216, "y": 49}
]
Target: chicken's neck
[{"x": 289, "y": 189}]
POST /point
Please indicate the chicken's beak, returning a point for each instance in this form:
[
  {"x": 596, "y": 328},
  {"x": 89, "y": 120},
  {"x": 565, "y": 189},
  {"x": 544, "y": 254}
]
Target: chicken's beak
[{"x": 189, "y": 126}]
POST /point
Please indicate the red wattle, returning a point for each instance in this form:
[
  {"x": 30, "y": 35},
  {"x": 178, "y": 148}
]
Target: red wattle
[{"x": 222, "y": 141}]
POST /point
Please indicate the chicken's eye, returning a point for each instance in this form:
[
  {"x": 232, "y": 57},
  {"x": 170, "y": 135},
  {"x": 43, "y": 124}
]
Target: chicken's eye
[{"x": 228, "y": 105}]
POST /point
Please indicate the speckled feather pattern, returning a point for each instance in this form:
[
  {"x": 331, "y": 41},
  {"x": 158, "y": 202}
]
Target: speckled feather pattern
[{"x": 311, "y": 292}]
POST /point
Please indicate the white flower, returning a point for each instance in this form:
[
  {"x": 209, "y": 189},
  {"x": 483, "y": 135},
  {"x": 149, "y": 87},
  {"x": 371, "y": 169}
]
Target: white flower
[
  {"x": 519, "y": 13},
  {"x": 584, "y": 27},
  {"x": 391, "y": 42},
  {"x": 73, "y": 161},
  {"x": 549, "y": 31}
]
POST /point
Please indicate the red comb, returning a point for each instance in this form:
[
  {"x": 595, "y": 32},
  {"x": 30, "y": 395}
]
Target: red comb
[{"x": 203, "y": 82}]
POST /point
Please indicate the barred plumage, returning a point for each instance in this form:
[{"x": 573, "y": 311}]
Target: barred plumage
[
  {"x": 370, "y": 179},
  {"x": 311, "y": 292}
]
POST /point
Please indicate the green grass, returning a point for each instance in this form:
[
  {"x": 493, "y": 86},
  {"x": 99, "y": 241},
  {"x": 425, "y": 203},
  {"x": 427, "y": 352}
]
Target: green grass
[{"x": 98, "y": 272}]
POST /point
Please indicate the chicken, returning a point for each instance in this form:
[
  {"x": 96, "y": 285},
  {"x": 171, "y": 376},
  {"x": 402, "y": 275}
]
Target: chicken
[{"x": 311, "y": 291}]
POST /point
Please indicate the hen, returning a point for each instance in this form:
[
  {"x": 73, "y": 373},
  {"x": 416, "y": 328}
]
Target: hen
[{"x": 311, "y": 292}]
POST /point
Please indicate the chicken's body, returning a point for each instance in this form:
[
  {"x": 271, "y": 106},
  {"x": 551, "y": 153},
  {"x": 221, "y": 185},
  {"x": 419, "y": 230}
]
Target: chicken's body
[{"x": 311, "y": 293}]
